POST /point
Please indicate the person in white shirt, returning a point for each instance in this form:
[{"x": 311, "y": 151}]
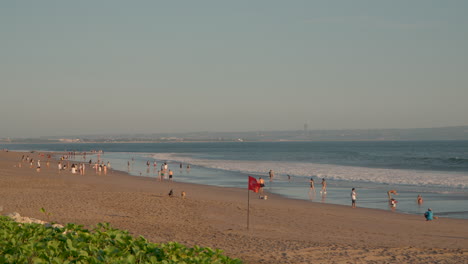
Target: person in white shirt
[{"x": 353, "y": 198}]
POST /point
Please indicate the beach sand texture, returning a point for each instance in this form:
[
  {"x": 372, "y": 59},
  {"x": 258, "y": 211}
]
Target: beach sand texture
[{"x": 281, "y": 230}]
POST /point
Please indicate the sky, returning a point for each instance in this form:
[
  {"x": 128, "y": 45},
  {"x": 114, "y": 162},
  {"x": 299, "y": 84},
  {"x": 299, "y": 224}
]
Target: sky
[{"x": 115, "y": 67}]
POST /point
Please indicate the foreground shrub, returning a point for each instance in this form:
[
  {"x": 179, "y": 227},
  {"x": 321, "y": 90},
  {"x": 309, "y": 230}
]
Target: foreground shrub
[{"x": 35, "y": 243}]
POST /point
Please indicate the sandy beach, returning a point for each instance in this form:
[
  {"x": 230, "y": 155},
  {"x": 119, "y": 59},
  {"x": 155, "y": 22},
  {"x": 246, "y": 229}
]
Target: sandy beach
[{"x": 281, "y": 230}]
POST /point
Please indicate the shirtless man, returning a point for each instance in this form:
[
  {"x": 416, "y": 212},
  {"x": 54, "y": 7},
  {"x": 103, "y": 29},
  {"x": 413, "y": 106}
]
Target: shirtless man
[
  {"x": 261, "y": 182},
  {"x": 272, "y": 175},
  {"x": 170, "y": 175}
]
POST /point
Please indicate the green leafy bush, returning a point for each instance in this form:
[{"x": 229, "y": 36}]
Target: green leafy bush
[{"x": 35, "y": 243}]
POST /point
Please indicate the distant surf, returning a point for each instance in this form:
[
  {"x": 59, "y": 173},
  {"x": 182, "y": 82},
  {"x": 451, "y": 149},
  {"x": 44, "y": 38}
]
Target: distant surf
[{"x": 334, "y": 172}]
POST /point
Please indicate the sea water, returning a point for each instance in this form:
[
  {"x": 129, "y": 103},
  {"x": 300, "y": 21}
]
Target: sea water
[{"x": 438, "y": 170}]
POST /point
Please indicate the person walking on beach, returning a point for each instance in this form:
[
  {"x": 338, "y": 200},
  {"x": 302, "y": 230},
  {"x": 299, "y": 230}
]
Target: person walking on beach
[
  {"x": 353, "y": 198},
  {"x": 170, "y": 175},
  {"x": 324, "y": 187}
]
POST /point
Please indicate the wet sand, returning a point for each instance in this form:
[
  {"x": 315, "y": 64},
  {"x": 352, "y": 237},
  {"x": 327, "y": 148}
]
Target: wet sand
[{"x": 281, "y": 230}]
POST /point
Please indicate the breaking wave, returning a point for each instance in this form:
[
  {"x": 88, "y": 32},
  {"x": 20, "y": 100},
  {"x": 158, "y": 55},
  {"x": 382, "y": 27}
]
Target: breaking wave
[{"x": 335, "y": 172}]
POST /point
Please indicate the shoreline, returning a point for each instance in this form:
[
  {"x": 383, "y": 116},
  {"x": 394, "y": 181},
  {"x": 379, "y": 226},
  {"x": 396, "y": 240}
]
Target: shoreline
[
  {"x": 282, "y": 230},
  {"x": 372, "y": 194}
]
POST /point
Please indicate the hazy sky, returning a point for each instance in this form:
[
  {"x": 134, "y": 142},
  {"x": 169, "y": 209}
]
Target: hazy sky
[{"x": 92, "y": 67}]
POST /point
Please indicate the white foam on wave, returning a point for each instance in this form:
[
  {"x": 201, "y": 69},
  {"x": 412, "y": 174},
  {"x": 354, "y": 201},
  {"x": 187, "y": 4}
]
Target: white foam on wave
[{"x": 335, "y": 172}]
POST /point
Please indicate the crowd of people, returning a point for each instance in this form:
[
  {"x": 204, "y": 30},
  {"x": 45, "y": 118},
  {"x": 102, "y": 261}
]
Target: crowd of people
[
  {"x": 68, "y": 162},
  {"x": 64, "y": 164}
]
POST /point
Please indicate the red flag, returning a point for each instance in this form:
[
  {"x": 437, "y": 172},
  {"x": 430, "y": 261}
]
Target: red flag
[{"x": 253, "y": 184}]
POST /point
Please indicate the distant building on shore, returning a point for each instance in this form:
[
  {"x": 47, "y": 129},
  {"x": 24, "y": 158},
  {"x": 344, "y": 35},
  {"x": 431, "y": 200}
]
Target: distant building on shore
[{"x": 69, "y": 140}]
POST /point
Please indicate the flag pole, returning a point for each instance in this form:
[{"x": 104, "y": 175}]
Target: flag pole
[{"x": 248, "y": 207}]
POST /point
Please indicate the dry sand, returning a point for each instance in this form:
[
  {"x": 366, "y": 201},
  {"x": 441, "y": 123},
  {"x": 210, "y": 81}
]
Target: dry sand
[{"x": 281, "y": 230}]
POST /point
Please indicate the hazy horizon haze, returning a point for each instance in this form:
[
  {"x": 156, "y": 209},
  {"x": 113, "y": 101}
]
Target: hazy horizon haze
[{"x": 86, "y": 67}]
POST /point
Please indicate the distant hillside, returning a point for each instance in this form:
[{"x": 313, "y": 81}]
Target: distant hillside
[{"x": 441, "y": 133}]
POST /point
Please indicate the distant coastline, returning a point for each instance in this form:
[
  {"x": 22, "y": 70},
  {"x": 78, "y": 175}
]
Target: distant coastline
[{"x": 413, "y": 134}]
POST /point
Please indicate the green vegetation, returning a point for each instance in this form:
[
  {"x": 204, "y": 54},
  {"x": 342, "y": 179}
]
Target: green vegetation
[
  {"x": 35, "y": 243},
  {"x": 47, "y": 214}
]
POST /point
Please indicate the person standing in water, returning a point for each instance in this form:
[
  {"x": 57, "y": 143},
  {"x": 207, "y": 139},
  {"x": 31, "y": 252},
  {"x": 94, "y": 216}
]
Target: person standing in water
[
  {"x": 272, "y": 175},
  {"x": 170, "y": 175},
  {"x": 312, "y": 185},
  {"x": 353, "y": 198},
  {"x": 324, "y": 186},
  {"x": 393, "y": 203},
  {"x": 419, "y": 200}
]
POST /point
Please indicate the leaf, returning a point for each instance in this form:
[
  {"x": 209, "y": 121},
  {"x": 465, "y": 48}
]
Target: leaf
[
  {"x": 37, "y": 260},
  {"x": 131, "y": 259},
  {"x": 70, "y": 244}
]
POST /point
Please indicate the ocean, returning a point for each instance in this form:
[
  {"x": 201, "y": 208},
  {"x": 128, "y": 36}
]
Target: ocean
[{"x": 437, "y": 170}]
